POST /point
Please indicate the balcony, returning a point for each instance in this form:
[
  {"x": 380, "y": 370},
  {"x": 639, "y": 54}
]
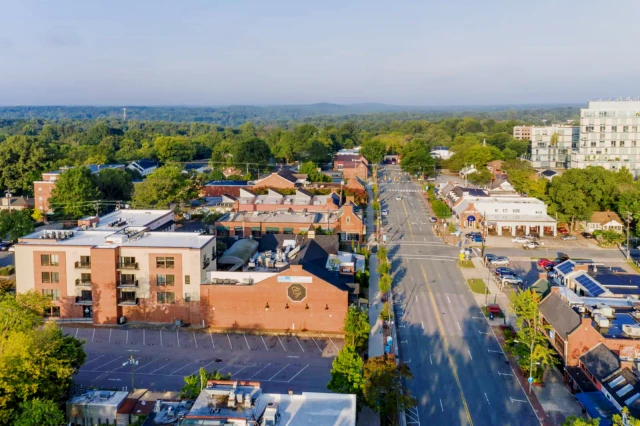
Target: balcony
[
  {"x": 83, "y": 300},
  {"x": 83, "y": 282},
  {"x": 83, "y": 265},
  {"x": 132, "y": 265},
  {"x": 128, "y": 284},
  {"x": 129, "y": 301}
]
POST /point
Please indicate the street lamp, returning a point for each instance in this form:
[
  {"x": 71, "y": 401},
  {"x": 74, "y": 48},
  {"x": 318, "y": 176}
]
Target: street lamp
[
  {"x": 530, "y": 379},
  {"x": 133, "y": 363}
]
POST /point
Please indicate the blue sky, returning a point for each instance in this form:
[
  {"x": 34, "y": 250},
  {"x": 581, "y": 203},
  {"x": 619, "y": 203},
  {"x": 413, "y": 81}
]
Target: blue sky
[{"x": 426, "y": 52}]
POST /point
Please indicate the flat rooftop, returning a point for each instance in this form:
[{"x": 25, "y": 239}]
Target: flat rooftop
[
  {"x": 128, "y": 217},
  {"x": 318, "y": 409},
  {"x": 99, "y": 397},
  {"x": 615, "y": 325},
  {"x": 278, "y": 217}
]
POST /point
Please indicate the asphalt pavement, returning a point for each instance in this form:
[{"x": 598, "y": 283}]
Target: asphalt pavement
[{"x": 460, "y": 374}]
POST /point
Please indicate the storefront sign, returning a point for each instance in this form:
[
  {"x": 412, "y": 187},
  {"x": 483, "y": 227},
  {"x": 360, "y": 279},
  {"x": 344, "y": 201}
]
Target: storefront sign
[
  {"x": 297, "y": 292},
  {"x": 292, "y": 279}
]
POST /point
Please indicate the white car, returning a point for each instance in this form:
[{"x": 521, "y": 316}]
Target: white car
[
  {"x": 519, "y": 240},
  {"x": 398, "y": 197},
  {"x": 385, "y": 212},
  {"x": 531, "y": 245},
  {"x": 500, "y": 261},
  {"x": 511, "y": 279}
]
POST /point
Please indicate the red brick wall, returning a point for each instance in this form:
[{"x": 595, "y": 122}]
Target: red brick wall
[
  {"x": 67, "y": 304},
  {"x": 105, "y": 277},
  {"x": 297, "y": 227},
  {"x": 354, "y": 224},
  {"x": 361, "y": 171},
  {"x": 582, "y": 340},
  {"x": 218, "y": 191},
  {"x": 244, "y": 307},
  {"x": 42, "y": 190}
]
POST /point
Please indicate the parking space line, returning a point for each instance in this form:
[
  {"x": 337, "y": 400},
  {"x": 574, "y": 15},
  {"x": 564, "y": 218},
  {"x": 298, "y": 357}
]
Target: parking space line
[
  {"x": 178, "y": 337},
  {"x": 334, "y": 345},
  {"x": 152, "y": 361},
  {"x": 246, "y": 366},
  {"x": 194, "y": 340},
  {"x": 100, "y": 356},
  {"x": 314, "y": 341},
  {"x": 204, "y": 366},
  {"x": 298, "y": 343},
  {"x": 127, "y": 341},
  {"x": 106, "y": 363},
  {"x": 230, "y": 345},
  {"x": 259, "y": 371},
  {"x": 161, "y": 337},
  {"x": 298, "y": 373},
  {"x": 161, "y": 367},
  {"x": 265, "y": 343},
  {"x": 77, "y": 329},
  {"x": 171, "y": 374},
  {"x": 245, "y": 339},
  {"x": 285, "y": 349},
  {"x": 213, "y": 344},
  {"x": 93, "y": 335},
  {"x": 278, "y": 373},
  {"x": 110, "y": 330},
  {"x": 144, "y": 339}
]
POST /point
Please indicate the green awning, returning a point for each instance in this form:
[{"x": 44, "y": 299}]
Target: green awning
[
  {"x": 222, "y": 228},
  {"x": 273, "y": 229},
  {"x": 288, "y": 229},
  {"x": 255, "y": 228}
]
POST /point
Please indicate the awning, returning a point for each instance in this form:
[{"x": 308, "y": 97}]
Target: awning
[
  {"x": 287, "y": 229},
  {"x": 471, "y": 218},
  {"x": 222, "y": 228},
  {"x": 597, "y": 406},
  {"x": 255, "y": 228},
  {"x": 272, "y": 229}
]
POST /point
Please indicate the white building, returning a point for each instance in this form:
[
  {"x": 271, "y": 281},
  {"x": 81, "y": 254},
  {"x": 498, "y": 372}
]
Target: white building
[
  {"x": 441, "y": 153},
  {"x": 551, "y": 146},
  {"x": 609, "y": 135}
]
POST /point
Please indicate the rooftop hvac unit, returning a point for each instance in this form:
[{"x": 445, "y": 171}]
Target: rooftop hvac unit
[
  {"x": 631, "y": 330},
  {"x": 635, "y": 314},
  {"x": 247, "y": 281},
  {"x": 606, "y": 310},
  {"x": 601, "y": 320}
]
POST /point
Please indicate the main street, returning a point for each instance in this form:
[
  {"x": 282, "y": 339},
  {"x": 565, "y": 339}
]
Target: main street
[{"x": 460, "y": 374}]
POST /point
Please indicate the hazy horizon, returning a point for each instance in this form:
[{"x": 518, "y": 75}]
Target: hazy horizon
[{"x": 251, "y": 53}]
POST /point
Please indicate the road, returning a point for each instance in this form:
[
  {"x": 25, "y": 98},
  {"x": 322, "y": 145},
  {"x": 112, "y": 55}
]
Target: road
[{"x": 460, "y": 373}]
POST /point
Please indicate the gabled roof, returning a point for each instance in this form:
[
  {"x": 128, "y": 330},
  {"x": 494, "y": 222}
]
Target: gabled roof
[
  {"x": 349, "y": 158},
  {"x": 562, "y": 318},
  {"x": 601, "y": 362},
  {"x": 604, "y": 217},
  {"x": 146, "y": 163},
  {"x": 548, "y": 173},
  {"x": 304, "y": 192}
]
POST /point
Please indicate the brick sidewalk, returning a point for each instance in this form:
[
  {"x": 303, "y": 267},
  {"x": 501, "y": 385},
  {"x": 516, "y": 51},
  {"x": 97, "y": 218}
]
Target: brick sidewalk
[{"x": 533, "y": 399}]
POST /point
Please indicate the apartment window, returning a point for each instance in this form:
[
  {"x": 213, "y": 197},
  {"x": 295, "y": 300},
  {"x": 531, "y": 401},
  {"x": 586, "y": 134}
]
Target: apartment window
[
  {"x": 51, "y": 294},
  {"x": 625, "y": 129},
  {"x": 633, "y": 143},
  {"x": 593, "y": 144},
  {"x": 127, "y": 260},
  {"x": 589, "y": 128},
  {"x": 166, "y": 279},
  {"x": 621, "y": 144},
  {"x": 497, "y": 211},
  {"x": 85, "y": 260},
  {"x": 52, "y": 311},
  {"x": 539, "y": 212},
  {"x": 613, "y": 143},
  {"x": 505, "y": 210},
  {"x": 516, "y": 210},
  {"x": 165, "y": 262},
  {"x": 187, "y": 279},
  {"x": 614, "y": 128},
  {"x": 166, "y": 297},
  {"x": 85, "y": 278},
  {"x": 602, "y": 128},
  {"x": 49, "y": 260},
  {"x": 634, "y": 129},
  {"x": 50, "y": 277}
]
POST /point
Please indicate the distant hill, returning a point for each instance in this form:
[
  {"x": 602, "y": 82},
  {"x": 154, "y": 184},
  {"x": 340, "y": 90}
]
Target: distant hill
[{"x": 236, "y": 115}]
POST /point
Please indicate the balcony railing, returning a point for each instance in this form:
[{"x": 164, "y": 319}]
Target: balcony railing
[
  {"x": 83, "y": 300},
  {"x": 128, "y": 283},
  {"x": 131, "y": 265},
  {"x": 83, "y": 265},
  {"x": 83, "y": 282},
  {"x": 128, "y": 302}
]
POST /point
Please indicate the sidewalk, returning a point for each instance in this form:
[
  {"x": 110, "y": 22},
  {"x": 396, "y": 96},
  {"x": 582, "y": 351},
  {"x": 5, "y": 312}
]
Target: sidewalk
[{"x": 376, "y": 335}]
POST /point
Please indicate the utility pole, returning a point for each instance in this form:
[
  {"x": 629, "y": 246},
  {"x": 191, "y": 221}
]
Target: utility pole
[
  {"x": 628, "y": 220},
  {"x": 484, "y": 234}
]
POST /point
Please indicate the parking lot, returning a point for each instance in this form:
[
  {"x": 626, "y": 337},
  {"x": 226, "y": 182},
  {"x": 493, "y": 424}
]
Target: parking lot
[{"x": 165, "y": 357}]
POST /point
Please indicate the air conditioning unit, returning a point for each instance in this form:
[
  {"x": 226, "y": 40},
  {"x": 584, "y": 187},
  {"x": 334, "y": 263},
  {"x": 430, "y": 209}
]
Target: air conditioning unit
[
  {"x": 178, "y": 323},
  {"x": 122, "y": 320},
  {"x": 631, "y": 330},
  {"x": 602, "y": 321}
]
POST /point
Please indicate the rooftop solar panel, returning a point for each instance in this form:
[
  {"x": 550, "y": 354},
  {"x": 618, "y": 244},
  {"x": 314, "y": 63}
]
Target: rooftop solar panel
[
  {"x": 565, "y": 267},
  {"x": 593, "y": 287}
]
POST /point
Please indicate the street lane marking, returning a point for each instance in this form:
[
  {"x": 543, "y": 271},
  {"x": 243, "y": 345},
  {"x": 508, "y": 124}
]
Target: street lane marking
[
  {"x": 169, "y": 363},
  {"x": 485, "y": 395},
  {"x": 93, "y": 335},
  {"x": 278, "y": 373},
  {"x": 517, "y": 400},
  {"x": 258, "y": 372},
  {"x": 505, "y": 374},
  {"x": 422, "y": 322},
  {"x": 296, "y": 375},
  {"x": 430, "y": 360},
  {"x": 246, "y": 366},
  {"x": 127, "y": 341},
  {"x": 160, "y": 337},
  {"x": 470, "y": 354},
  {"x": 144, "y": 340},
  {"x": 314, "y": 341},
  {"x": 230, "y": 345},
  {"x": 110, "y": 330},
  {"x": 106, "y": 363},
  {"x": 285, "y": 349},
  {"x": 442, "y": 408},
  {"x": 194, "y": 340},
  {"x": 458, "y": 326},
  {"x": 265, "y": 343},
  {"x": 77, "y": 329},
  {"x": 245, "y": 339},
  {"x": 408, "y": 221},
  {"x": 446, "y": 346},
  {"x": 334, "y": 345},
  {"x": 448, "y": 298},
  {"x": 178, "y": 337},
  {"x": 299, "y": 343},
  {"x": 212, "y": 344},
  {"x": 97, "y": 358}
]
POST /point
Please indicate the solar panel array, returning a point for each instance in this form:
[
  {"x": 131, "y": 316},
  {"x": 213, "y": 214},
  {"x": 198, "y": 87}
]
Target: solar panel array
[
  {"x": 590, "y": 285},
  {"x": 565, "y": 267}
]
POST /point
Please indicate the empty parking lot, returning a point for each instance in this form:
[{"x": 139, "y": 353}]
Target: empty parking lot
[{"x": 164, "y": 357}]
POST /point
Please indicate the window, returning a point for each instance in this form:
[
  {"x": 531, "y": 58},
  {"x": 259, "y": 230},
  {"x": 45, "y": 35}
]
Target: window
[
  {"x": 165, "y": 262},
  {"x": 50, "y": 277},
  {"x": 166, "y": 297},
  {"x": 497, "y": 210},
  {"x": 614, "y": 128},
  {"x": 621, "y": 144},
  {"x": 85, "y": 260},
  {"x": 53, "y": 311},
  {"x": 187, "y": 279},
  {"x": 625, "y": 129},
  {"x": 85, "y": 278},
  {"x": 166, "y": 279},
  {"x": 602, "y": 128},
  {"x": 539, "y": 212},
  {"x": 589, "y": 129},
  {"x": 40, "y": 190},
  {"x": 516, "y": 210},
  {"x": 348, "y": 219},
  {"x": 593, "y": 144},
  {"x": 49, "y": 260},
  {"x": 238, "y": 230},
  {"x": 633, "y": 143},
  {"x": 51, "y": 294},
  {"x": 127, "y": 260},
  {"x": 505, "y": 210}
]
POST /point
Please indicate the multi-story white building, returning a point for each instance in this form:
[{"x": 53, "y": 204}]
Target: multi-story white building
[
  {"x": 551, "y": 146},
  {"x": 609, "y": 136}
]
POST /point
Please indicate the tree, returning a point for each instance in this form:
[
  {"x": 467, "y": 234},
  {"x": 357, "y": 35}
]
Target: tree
[
  {"x": 373, "y": 150},
  {"x": 16, "y": 224},
  {"x": 311, "y": 170},
  {"x": 114, "y": 184},
  {"x": 36, "y": 360},
  {"x": 39, "y": 412},
  {"x": 625, "y": 419},
  {"x": 74, "y": 194},
  {"x": 164, "y": 186},
  {"x": 418, "y": 161},
  {"x": 382, "y": 388},
  {"x": 174, "y": 148},
  {"x": 356, "y": 327},
  {"x": 252, "y": 150},
  {"x": 579, "y": 421},
  {"x": 194, "y": 383},
  {"x": 346, "y": 372},
  {"x": 480, "y": 155},
  {"x": 481, "y": 177},
  {"x": 384, "y": 284},
  {"x": 22, "y": 161}
]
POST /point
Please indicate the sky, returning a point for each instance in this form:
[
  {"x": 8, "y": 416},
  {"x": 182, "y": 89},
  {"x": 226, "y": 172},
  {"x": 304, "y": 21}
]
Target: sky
[{"x": 266, "y": 52}]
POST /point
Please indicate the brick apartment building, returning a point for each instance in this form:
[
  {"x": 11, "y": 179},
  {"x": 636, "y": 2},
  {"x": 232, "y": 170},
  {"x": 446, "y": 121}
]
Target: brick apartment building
[
  {"x": 282, "y": 179},
  {"x": 42, "y": 188},
  {"x": 124, "y": 264},
  {"x": 351, "y": 166}
]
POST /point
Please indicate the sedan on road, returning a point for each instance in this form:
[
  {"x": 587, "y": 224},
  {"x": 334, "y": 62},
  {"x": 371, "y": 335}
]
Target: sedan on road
[
  {"x": 511, "y": 279},
  {"x": 473, "y": 234},
  {"x": 531, "y": 245},
  {"x": 519, "y": 240},
  {"x": 501, "y": 260},
  {"x": 568, "y": 237},
  {"x": 504, "y": 271},
  {"x": 398, "y": 197},
  {"x": 546, "y": 263},
  {"x": 433, "y": 219},
  {"x": 489, "y": 257}
]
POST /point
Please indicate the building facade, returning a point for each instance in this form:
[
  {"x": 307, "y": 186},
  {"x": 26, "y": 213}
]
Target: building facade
[
  {"x": 552, "y": 146},
  {"x": 351, "y": 165},
  {"x": 609, "y": 136},
  {"x": 522, "y": 133}
]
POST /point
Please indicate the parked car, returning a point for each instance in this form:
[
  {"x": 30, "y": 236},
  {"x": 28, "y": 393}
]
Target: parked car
[
  {"x": 473, "y": 234},
  {"x": 545, "y": 263},
  {"x": 562, "y": 257},
  {"x": 504, "y": 271},
  {"x": 500, "y": 260},
  {"x": 587, "y": 235},
  {"x": 385, "y": 212},
  {"x": 519, "y": 240},
  {"x": 568, "y": 237},
  {"x": 477, "y": 238},
  {"x": 488, "y": 258},
  {"x": 398, "y": 197},
  {"x": 4, "y": 247},
  {"x": 511, "y": 279},
  {"x": 563, "y": 231},
  {"x": 531, "y": 237},
  {"x": 433, "y": 219},
  {"x": 531, "y": 245}
]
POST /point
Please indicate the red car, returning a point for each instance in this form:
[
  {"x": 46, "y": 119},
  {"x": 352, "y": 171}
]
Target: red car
[
  {"x": 563, "y": 231},
  {"x": 546, "y": 263}
]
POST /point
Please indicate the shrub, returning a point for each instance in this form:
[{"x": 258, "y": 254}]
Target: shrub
[{"x": 7, "y": 270}]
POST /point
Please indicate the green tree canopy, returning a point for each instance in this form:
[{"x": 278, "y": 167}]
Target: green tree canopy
[
  {"x": 252, "y": 150},
  {"x": 174, "y": 148},
  {"x": 194, "y": 383},
  {"x": 382, "y": 388},
  {"x": 356, "y": 327},
  {"x": 164, "y": 186},
  {"x": 418, "y": 161},
  {"x": 482, "y": 177},
  {"x": 373, "y": 150},
  {"x": 16, "y": 224},
  {"x": 114, "y": 184},
  {"x": 74, "y": 194},
  {"x": 39, "y": 412},
  {"x": 346, "y": 372},
  {"x": 311, "y": 170},
  {"x": 22, "y": 161}
]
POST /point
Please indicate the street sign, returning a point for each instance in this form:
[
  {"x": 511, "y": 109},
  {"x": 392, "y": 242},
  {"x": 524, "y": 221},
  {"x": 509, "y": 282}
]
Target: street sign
[{"x": 530, "y": 380}]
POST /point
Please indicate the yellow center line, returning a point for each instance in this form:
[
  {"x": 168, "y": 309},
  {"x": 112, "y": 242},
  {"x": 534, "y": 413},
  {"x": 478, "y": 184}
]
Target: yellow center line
[
  {"x": 408, "y": 220},
  {"x": 446, "y": 345}
]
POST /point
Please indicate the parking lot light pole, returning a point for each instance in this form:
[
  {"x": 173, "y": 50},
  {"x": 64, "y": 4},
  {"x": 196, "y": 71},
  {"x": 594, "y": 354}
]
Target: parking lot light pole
[{"x": 133, "y": 363}]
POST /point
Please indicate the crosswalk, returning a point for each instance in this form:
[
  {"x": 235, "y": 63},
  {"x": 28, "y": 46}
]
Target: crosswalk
[{"x": 405, "y": 190}]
